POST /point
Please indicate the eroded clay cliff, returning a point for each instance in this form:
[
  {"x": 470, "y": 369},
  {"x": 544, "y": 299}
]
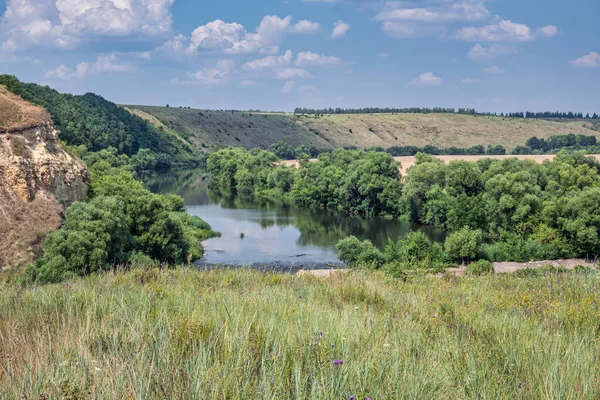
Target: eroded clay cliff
[{"x": 38, "y": 179}]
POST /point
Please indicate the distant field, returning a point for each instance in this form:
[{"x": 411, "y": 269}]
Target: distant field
[
  {"x": 409, "y": 161},
  {"x": 442, "y": 130},
  {"x": 211, "y": 130}
]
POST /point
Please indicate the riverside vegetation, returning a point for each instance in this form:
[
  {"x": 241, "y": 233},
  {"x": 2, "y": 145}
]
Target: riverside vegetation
[{"x": 498, "y": 210}]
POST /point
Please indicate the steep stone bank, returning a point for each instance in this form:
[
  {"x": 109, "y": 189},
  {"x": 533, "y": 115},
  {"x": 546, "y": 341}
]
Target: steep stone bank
[{"x": 38, "y": 179}]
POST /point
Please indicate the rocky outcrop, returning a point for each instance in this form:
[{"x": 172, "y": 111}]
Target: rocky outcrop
[{"x": 38, "y": 179}]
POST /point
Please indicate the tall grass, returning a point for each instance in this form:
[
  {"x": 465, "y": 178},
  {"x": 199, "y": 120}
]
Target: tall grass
[{"x": 184, "y": 334}]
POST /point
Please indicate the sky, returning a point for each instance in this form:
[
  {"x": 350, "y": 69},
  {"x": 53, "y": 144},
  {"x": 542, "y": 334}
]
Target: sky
[{"x": 492, "y": 55}]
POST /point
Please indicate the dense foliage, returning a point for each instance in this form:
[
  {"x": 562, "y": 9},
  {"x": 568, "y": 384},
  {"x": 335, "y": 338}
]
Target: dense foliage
[
  {"x": 443, "y": 110},
  {"x": 120, "y": 223},
  {"x": 499, "y": 210},
  {"x": 96, "y": 124},
  {"x": 356, "y": 182}
]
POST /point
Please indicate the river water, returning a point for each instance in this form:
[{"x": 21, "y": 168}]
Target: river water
[{"x": 259, "y": 231}]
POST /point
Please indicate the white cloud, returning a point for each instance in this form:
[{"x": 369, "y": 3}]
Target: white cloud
[
  {"x": 269, "y": 62},
  {"x": 107, "y": 63},
  {"x": 427, "y": 79},
  {"x": 306, "y": 27},
  {"x": 590, "y": 60},
  {"x": 308, "y": 58},
  {"x": 248, "y": 83},
  {"x": 493, "y": 69},
  {"x": 503, "y": 31},
  {"x": 212, "y": 76},
  {"x": 471, "y": 81},
  {"x": 288, "y": 87},
  {"x": 339, "y": 29},
  {"x": 232, "y": 38},
  {"x": 65, "y": 23},
  {"x": 547, "y": 31},
  {"x": 434, "y": 13},
  {"x": 293, "y": 73},
  {"x": 482, "y": 53}
]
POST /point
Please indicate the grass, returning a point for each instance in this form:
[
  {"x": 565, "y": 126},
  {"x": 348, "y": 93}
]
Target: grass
[
  {"x": 184, "y": 334},
  {"x": 15, "y": 113},
  {"x": 211, "y": 130},
  {"x": 442, "y": 130}
]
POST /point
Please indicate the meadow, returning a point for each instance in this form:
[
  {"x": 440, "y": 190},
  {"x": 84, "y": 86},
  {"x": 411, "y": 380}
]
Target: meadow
[{"x": 188, "y": 334}]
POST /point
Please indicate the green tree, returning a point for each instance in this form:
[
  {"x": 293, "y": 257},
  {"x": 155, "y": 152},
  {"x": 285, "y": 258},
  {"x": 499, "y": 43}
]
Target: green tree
[{"x": 463, "y": 244}]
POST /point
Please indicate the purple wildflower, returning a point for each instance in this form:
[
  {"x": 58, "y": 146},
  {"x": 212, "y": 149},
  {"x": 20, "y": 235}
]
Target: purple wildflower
[
  {"x": 338, "y": 362},
  {"x": 367, "y": 398},
  {"x": 321, "y": 334},
  {"x": 351, "y": 398},
  {"x": 300, "y": 296}
]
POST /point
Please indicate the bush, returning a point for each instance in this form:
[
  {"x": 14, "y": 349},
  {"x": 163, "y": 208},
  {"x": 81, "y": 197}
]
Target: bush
[
  {"x": 481, "y": 267},
  {"x": 464, "y": 244},
  {"x": 359, "y": 254}
]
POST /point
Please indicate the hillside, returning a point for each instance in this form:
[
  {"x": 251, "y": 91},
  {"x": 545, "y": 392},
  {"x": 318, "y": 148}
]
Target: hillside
[
  {"x": 94, "y": 123},
  {"x": 210, "y": 130},
  {"x": 441, "y": 130},
  {"x": 38, "y": 179}
]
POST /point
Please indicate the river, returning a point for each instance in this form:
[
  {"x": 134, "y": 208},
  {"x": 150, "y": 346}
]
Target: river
[{"x": 260, "y": 231}]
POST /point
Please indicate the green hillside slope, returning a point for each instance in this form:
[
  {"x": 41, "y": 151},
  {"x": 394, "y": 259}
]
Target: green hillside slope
[
  {"x": 215, "y": 129},
  {"x": 441, "y": 130},
  {"x": 210, "y": 130}
]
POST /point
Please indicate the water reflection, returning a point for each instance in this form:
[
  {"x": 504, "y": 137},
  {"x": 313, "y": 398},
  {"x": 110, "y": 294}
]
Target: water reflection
[{"x": 258, "y": 230}]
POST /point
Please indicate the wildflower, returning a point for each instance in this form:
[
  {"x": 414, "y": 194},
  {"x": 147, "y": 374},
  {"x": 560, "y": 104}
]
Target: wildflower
[
  {"x": 300, "y": 296},
  {"x": 351, "y": 398},
  {"x": 367, "y": 398},
  {"x": 338, "y": 362},
  {"x": 321, "y": 334}
]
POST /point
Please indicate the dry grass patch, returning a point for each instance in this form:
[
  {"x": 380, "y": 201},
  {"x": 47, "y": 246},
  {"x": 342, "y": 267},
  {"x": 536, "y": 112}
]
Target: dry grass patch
[{"x": 15, "y": 113}]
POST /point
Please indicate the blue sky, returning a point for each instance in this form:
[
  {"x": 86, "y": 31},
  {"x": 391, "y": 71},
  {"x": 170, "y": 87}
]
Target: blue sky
[{"x": 500, "y": 55}]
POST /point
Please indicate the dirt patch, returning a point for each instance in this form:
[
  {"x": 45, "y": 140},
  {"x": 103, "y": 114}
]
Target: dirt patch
[
  {"x": 511, "y": 267},
  {"x": 16, "y": 114}
]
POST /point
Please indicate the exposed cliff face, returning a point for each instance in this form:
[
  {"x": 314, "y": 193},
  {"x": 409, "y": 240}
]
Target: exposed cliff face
[{"x": 38, "y": 179}]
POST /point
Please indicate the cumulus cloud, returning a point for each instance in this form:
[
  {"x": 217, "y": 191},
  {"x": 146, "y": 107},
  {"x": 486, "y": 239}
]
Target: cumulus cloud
[
  {"x": 427, "y": 79},
  {"x": 306, "y": 27},
  {"x": 107, "y": 63},
  {"x": 490, "y": 53},
  {"x": 591, "y": 60},
  {"x": 308, "y": 58},
  {"x": 233, "y": 38},
  {"x": 339, "y": 29},
  {"x": 502, "y": 31},
  {"x": 269, "y": 62},
  {"x": 547, "y": 31},
  {"x": 65, "y": 23},
  {"x": 410, "y": 29}
]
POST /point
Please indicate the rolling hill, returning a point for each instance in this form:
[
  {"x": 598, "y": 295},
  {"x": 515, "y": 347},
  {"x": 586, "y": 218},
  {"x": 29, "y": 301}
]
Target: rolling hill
[{"x": 210, "y": 130}]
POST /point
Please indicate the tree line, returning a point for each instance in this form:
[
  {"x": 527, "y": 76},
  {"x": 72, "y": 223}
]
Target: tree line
[
  {"x": 443, "y": 110},
  {"x": 505, "y": 210},
  {"x": 533, "y": 146}
]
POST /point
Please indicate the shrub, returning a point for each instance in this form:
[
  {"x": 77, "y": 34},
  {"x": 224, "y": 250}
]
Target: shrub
[
  {"x": 463, "y": 244},
  {"x": 481, "y": 267},
  {"x": 359, "y": 254}
]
